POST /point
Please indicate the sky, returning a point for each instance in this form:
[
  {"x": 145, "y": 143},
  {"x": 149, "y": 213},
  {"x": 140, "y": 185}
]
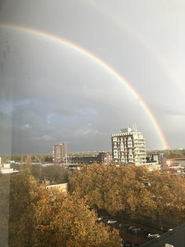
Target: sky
[{"x": 50, "y": 93}]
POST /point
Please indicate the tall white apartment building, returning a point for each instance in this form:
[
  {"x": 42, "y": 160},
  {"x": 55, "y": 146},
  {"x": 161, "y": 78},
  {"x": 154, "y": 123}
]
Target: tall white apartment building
[{"x": 128, "y": 146}]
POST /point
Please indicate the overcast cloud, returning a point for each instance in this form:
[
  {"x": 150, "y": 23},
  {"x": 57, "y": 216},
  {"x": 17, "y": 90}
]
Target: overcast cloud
[{"x": 50, "y": 93}]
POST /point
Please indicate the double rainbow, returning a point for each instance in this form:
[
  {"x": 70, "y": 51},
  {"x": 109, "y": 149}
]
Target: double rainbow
[{"x": 99, "y": 62}]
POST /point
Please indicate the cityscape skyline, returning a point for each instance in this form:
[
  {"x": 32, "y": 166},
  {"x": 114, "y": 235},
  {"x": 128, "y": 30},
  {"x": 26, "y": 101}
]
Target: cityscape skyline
[{"x": 53, "y": 92}]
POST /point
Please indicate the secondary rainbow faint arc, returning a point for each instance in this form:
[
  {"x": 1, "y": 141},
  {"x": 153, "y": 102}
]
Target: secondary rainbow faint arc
[
  {"x": 121, "y": 24},
  {"x": 98, "y": 61}
]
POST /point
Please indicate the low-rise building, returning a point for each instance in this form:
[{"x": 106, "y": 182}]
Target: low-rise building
[
  {"x": 100, "y": 158},
  {"x": 173, "y": 238},
  {"x": 6, "y": 169},
  {"x": 61, "y": 187},
  {"x": 181, "y": 161},
  {"x": 152, "y": 166},
  {"x": 175, "y": 165}
]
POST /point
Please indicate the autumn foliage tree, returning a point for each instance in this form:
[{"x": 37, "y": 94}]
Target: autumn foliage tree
[
  {"x": 41, "y": 217},
  {"x": 169, "y": 195},
  {"x": 53, "y": 173},
  {"x": 131, "y": 190},
  {"x": 111, "y": 188},
  {"x": 67, "y": 221},
  {"x": 4, "y": 209},
  {"x": 23, "y": 195},
  {"x": 28, "y": 161}
]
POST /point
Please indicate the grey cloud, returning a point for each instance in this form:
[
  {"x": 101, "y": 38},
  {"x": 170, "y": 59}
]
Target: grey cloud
[
  {"x": 26, "y": 126},
  {"x": 172, "y": 109},
  {"x": 43, "y": 138}
]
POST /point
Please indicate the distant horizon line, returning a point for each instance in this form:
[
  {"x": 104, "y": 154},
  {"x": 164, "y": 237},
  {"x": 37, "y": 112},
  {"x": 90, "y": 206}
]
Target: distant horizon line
[{"x": 93, "y": 151}]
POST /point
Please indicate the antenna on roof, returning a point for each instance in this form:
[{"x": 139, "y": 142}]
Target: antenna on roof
[{"x": 135, "y": 127}]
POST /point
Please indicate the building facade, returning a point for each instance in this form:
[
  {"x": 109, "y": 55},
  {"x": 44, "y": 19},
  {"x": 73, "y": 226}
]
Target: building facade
[
  {"x": 59, "y": 153},
  {"x": 61, "y": 187},
  {"x": 100, "y": 158},
  {"x": 128, "y": 147}
]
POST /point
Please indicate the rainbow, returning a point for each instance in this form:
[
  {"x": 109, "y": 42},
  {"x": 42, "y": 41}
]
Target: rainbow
[{"x": 99, "y": 62}]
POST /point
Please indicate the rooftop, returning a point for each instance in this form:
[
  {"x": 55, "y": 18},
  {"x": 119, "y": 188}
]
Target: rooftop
[{"x": 176, "y": 238}]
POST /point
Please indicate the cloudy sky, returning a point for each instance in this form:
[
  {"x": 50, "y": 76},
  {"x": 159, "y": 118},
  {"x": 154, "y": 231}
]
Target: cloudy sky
[{"x": 50, "y": 93}]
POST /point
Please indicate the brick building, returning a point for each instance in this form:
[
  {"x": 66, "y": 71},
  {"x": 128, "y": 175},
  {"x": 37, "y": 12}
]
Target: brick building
[{"x": 59, "y": 153}]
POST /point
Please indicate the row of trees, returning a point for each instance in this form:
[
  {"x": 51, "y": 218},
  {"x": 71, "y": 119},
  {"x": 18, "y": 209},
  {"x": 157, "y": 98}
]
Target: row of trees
[
  {"x": 54, "y": 173},
  {"x": 174, "y": 153},
  {"x": 35, "y": 158},
  {"x": 131, "y": 190},
  {"x": 40, "y": 217}
]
